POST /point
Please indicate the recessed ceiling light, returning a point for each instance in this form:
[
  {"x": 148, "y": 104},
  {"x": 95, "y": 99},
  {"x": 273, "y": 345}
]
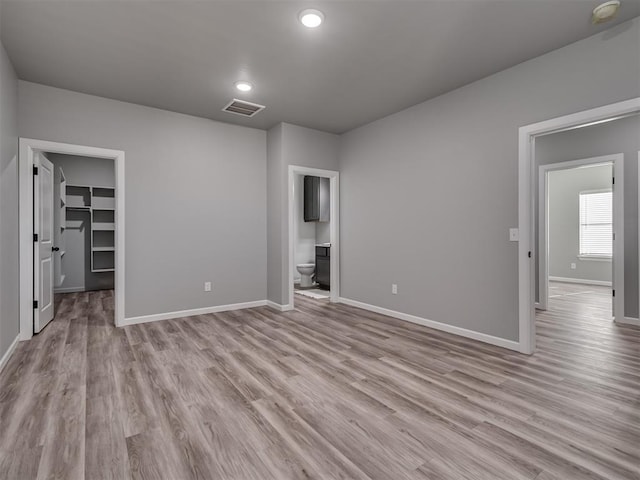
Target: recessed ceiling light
[
  {"x": 244, "y": 86},
  {"x": 605, "y": 11},
  {"x": 311, "y": 18}
]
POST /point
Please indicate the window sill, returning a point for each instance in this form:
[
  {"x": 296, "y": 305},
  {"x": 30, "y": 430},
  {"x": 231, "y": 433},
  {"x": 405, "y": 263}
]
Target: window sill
[{"x": 594, "y": 258}]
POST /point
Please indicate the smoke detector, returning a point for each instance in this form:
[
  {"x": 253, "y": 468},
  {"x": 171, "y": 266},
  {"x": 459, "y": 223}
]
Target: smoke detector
[{"x": 605, "y": 11}]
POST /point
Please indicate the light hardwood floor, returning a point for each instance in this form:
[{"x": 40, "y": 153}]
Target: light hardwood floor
[{"x": 325, "y": 391}]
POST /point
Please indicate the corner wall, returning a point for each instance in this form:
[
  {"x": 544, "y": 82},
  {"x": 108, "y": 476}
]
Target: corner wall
[
  {"x": 290, "y": 145},
  {"x": 430, "y": 193}
]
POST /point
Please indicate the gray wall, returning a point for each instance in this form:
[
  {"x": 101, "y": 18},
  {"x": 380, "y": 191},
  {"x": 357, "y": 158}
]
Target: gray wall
[
  {"x": 565, "y": 187},
  {"x": 76, "y": 263},
  {"x": 620, "y": 136},
  {"x": 195, "y": 196},
  {"x": 430, "y": 192},
  {"x": 323, "y": 232},
  {"x": 290, "y": 145},
  {"x": 85, "y": 170},
  {"x": 276, "y": 205},
  {"x": 9, "y": 321}
]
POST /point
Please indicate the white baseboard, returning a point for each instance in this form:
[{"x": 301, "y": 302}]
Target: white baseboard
[
  {"x": 463, "y": 332},
  {"x": 5, "y": 358},
  {"x": 629, "y": 321},
  {"x": 68, "y": 290},
  {"x": 581, "y": 281},
  {"x": 278, "y": 307},
  {"x": 190, "y": 313}
]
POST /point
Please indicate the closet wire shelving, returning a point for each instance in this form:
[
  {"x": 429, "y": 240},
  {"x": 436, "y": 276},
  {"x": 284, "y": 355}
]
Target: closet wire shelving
[{"x": 99, "y": 202}]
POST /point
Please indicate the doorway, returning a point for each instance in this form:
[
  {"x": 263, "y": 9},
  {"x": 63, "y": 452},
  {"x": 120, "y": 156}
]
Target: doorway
[
  {"x": 580, "y": 232},
  {"x": 43, "y": 220},
  {"x": 322, "y": 250},
  {"x": 527, "y": 220}
]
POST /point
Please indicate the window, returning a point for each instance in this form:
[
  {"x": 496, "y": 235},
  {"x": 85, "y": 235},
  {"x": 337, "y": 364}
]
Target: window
[{"x": 596, "y": 224}]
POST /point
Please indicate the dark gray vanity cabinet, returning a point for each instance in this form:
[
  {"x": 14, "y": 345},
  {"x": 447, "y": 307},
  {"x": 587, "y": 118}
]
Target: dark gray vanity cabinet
[
  {"x": 316, "y": 199},
  {"x": 323, "y": 267}
]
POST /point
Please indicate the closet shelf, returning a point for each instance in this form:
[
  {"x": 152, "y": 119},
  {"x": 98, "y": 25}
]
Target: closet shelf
[
  {"x": 103, "y": 226},
  {"x": 104, "y": 249},
  {"x": 99, "y": 202},
  {"x": 75, "y": 185}
]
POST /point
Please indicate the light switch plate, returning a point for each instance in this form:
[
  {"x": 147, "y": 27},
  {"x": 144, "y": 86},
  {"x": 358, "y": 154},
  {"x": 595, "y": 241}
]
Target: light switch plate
[{"x": 514, "y": 235}]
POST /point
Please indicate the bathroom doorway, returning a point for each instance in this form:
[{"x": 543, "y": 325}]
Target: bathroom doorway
[{"x": 313, "y": 267}]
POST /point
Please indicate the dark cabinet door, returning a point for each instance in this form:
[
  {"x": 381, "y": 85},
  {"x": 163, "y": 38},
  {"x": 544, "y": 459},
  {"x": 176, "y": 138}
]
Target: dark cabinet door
[
  {"x": 316, "y": 199},
  {"x": 323, "y": 272},
  {"x": 311, "y": 198}
]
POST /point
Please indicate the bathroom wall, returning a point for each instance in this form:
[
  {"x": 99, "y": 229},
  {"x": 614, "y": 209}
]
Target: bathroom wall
[
  {"x": 323, "y": 232},
  {"x": 564, "y": 223},
  {"x": 76, "y": 263}
]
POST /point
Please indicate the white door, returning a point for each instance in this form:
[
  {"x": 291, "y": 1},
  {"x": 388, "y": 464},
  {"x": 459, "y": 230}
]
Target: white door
[{"x": 43, "y": 244}]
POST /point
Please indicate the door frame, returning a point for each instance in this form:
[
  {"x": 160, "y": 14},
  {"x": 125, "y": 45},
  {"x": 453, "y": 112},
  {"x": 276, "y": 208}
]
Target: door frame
[
  {"x": 617, "y": 262},
  {"x": 28, "y": 147},
  {"x": 334, "y": 229},
  {"x": 526, "y": 218}
]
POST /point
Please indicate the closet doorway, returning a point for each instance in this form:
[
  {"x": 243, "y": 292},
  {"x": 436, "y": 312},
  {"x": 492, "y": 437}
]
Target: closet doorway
[{"x": 71, "y": 227}]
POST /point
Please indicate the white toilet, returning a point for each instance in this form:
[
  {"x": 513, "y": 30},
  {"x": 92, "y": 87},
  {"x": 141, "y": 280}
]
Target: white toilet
[{"x": 306, "y": 271}]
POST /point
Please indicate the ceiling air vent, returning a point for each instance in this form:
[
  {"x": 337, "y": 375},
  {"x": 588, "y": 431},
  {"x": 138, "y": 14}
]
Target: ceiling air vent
[{"x": 240, "y": 107}]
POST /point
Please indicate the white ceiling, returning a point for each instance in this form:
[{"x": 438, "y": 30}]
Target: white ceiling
[{"x": 369, "y": 59}]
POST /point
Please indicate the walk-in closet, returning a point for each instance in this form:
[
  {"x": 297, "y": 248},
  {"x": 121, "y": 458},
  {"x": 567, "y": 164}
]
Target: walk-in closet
[{"x": 84, "y": 222}]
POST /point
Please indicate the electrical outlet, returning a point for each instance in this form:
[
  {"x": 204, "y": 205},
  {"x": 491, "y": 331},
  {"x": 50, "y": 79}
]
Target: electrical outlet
[
  {"x": 207, "y": 286},
  {"x": 573, "y": 266},
  {"x": 394, "y": 288}
]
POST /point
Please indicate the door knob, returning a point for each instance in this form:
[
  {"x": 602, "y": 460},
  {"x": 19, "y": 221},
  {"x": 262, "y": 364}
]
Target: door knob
[{"x": 55, "y": 249}]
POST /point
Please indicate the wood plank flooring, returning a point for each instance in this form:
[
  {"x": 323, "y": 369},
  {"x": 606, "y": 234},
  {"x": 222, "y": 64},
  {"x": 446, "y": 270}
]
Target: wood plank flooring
[{"x": 323, "y": 392}]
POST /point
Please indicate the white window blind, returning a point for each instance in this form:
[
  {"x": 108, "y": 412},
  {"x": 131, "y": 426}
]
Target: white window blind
[{"x": 596, "y": 224}]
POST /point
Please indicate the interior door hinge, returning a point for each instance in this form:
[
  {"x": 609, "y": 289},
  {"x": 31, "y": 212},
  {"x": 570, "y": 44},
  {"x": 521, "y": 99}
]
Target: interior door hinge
[
  {"x": 613, "y": 292},
  {"x": 35, "y": 237},
  {"x": 35, "y": 304},
  {"x": 613, "y": 180},
  {"x": 35, "y": 170}
]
